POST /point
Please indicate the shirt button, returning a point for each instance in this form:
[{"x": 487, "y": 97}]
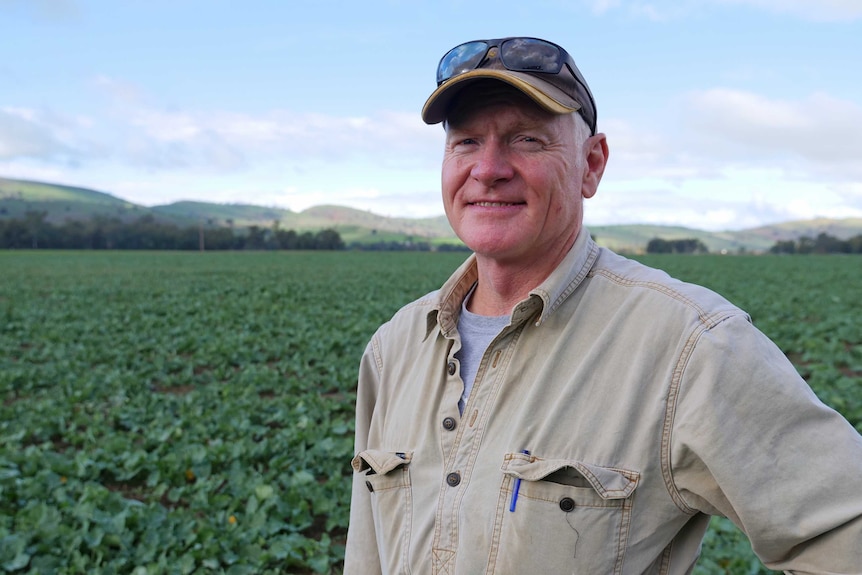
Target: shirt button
[
  {"x": 453, "y": 479},
  {"x": 450, "y": 367},
  {"x": 449, "y": 423},
  {"x": 567, "y": 504}
]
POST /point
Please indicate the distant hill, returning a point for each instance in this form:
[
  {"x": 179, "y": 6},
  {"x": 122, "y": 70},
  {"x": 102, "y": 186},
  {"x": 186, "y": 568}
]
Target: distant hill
[{"x": 62, "y": 203}]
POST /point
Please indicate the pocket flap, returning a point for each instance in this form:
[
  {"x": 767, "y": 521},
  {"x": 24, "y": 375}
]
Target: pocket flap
[
  {"x": 381, "y": 462},
  {"x": 608, "y": 482}
]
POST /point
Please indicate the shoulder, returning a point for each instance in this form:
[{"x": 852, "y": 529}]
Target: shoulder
[{"x": 626, "y": 281}]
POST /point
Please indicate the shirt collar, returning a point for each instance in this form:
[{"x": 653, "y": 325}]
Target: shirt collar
[{"x": 541, "y": 302}]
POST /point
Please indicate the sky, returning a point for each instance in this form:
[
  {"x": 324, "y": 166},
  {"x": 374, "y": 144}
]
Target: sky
[{"x": 719, "y": 114}]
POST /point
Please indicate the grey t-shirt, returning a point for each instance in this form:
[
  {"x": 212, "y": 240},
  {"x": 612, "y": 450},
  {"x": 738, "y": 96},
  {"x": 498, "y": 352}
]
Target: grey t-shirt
[{"x": 477, "y": 332}]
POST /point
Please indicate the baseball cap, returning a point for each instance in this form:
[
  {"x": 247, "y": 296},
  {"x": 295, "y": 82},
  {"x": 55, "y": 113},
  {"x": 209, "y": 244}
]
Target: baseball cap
[{"x": 540, "y": 69}]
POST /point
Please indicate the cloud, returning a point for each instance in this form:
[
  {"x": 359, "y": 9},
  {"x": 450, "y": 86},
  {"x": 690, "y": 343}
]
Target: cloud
[
  {"x": 129, "y": 131},
  {"x": 820, "y": 133},
  {"x": 25, "y": 134},
  {"x": 730, "y": 159},
  {"x": 225, "y": 140},
  {"x": 816, "y": 137}
]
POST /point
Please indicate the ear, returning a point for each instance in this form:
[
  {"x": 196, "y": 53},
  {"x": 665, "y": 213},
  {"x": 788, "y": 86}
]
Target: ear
[{"x": 596, "y": 149}]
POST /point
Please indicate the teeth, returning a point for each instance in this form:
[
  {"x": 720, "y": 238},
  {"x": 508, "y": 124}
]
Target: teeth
[{"x": 492, "y": 204}]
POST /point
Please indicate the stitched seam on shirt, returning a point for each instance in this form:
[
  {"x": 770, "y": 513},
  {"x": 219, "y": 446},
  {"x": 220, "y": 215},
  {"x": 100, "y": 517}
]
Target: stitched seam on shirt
[
  {"x": 670, "y": 414},
  {"x": 664, "y": 567},
  {"x": 705, "y": 317},
  {"x": 407, "y": 541},
  {"x": 497, "y": 532},
  {"x": 576, "y": 282},
  {"x": 442, "y": 565},
  {"x": 623, "y": 534},
  {"x": 377, "y": 353}
]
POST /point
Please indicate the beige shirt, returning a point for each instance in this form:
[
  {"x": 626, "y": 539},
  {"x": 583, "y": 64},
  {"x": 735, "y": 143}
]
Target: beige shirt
[{"x": 646, "y": 405}]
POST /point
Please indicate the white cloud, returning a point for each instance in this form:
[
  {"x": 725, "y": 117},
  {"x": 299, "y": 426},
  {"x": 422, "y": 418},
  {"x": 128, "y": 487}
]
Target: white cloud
[
  {"x": 226, "y": 140},
  {"x": 729, "y": 159},
  {"x": 131, "y": 133},
  {"x": 817, "y": 137},
  {"x": 820, "y": 133},
  {"x": 25, "y": 134}
]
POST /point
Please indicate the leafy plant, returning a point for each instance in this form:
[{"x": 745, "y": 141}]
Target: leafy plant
[{"x": 193, "y": 412}]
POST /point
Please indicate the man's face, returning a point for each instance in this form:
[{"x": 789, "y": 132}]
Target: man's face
[{"x": 512, "y": 181}]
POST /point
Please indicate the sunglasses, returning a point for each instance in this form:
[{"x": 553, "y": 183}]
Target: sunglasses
[
  {"x": 530, "y": 55},
  {"x": 516, "y": 54}
]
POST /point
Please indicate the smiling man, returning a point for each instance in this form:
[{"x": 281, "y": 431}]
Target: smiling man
[{"x": 556, "y": 408}]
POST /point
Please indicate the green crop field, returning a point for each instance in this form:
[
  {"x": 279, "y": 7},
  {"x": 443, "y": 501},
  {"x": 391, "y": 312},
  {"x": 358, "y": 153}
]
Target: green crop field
[{"x": 193, "y": 412}]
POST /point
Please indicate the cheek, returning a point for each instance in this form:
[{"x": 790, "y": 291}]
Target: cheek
[{"x": 450, "y": 180}]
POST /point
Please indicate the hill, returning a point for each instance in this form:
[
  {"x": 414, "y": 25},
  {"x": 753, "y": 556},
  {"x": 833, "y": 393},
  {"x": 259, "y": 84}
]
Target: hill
[
  {"x": 62, "y": 203},
  {"x": 634, "y": 238}
]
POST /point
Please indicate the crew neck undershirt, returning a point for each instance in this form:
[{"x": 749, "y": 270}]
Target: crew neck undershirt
[{"x": 477, "y": 332}]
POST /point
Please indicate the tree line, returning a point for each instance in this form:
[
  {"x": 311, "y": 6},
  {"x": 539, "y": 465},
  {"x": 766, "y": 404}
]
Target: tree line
[
  {"x": 681, "y": 246},
  {"x": 146, "y": 233},
  {"x": 822, "y": 244}
]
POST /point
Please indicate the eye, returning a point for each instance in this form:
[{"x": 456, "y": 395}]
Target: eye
[
  {"x": 462, "y": 143},
  {"x": 527, "y": 140}
]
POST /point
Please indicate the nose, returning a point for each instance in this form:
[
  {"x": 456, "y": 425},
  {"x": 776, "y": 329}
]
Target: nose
[{"x": 492, "y": 165}]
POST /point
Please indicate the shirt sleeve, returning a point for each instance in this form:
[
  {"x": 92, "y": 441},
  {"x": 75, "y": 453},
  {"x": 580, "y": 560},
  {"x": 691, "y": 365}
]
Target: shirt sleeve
[
  {"x": 361, "y": 555},
  {"x": 751, "y": 441}
]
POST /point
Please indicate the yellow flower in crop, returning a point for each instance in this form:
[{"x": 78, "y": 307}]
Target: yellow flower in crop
[
  {"x": 231, "y": 520},
  {"x": 63, "y": 479},
  {"x": 190, "y": 475}
]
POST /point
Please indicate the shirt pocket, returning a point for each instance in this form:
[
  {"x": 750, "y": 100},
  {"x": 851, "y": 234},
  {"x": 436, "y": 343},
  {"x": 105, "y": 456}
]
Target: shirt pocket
[
  {"x": 387, "y": 477},
  {"x": 569, "y": 516}
]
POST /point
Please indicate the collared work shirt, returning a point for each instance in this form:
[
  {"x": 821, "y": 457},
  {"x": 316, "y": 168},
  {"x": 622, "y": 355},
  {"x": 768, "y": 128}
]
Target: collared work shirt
[{"x": 646, "y": 405}]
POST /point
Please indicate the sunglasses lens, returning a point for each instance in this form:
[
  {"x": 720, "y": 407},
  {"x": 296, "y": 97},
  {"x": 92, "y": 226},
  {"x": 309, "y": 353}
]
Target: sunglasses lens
[
  {"x": 531, "y": 55},
  {"x": 461, "y": 59}
]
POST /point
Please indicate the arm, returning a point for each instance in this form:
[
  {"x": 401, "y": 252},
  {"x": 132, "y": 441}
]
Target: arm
[
  {"x": 361, "y": 556},
  {"x": 752, "y": 442}
]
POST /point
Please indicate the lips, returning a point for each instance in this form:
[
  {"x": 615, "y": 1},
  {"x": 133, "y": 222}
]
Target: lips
[{"x": 496, "y": 204}]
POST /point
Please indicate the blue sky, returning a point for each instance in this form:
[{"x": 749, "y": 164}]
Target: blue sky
[{"x": 720, "y": 114}]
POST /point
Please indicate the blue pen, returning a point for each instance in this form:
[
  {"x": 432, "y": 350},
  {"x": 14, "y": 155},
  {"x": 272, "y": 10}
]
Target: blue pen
[{"x": 517, "y": 487}]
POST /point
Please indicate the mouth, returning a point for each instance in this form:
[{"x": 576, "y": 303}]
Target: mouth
[{"x": 496, "y": 204}]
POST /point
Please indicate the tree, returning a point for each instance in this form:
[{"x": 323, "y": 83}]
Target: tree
[
  {"x": 35, "y": 223},
  {"x": 783, "y": 247},
  {"x": 329, "y": 239},
  {"x": 681, "y": 246},
  {"x": 285, "y": 239}
]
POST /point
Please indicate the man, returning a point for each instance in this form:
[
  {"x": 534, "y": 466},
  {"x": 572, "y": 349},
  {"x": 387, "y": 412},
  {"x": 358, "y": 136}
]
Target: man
[{"x": 556, "y": 408}]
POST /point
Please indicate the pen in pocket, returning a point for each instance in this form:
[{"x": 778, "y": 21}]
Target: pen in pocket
[{"x": 517, "y": 487}]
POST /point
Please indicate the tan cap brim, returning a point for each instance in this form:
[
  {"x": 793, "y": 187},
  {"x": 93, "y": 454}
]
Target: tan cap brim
[{"x": 547, "y": 95}]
